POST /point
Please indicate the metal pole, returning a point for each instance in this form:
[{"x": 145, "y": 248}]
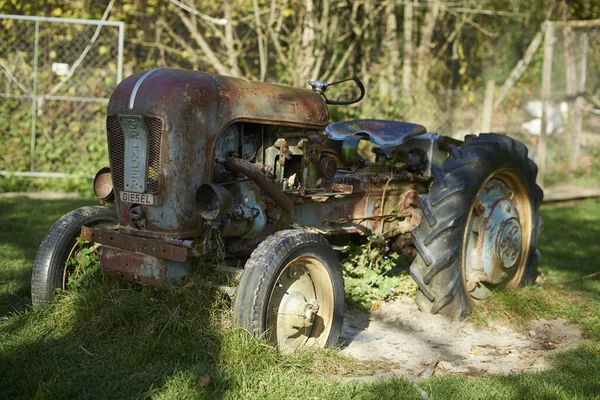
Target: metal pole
[
  {"x": 34, "y": 94},
  {"x": 546, "y": 83},
  {"x": 488, "y": 106},
  {"x": 61, "y": 20},
  {"x": 579, "y": 104},
  {"x": 120, "y": 55}
]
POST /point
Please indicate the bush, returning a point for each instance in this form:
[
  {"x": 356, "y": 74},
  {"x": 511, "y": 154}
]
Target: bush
[{"x": 369, "y": 278}]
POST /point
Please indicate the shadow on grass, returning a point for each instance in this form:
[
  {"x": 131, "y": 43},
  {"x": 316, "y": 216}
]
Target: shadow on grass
[
  {"x": 114, "y": 341},
  {"x": 570, "y": 245},
  {"x": 23, "y": 224}
]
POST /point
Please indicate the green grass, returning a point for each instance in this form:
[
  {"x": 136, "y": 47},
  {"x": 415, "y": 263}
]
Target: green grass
[
  {"x": 121, "y": 341},
  {"x": 23, "y": 224}
]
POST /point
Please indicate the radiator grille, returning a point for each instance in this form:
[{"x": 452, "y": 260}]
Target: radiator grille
[{"x": 116, "y": 151}]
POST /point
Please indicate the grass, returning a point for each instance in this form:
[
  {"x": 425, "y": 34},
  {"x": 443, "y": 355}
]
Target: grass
[
  {"x": 23, "y": 224},
  {"x": 121, "y": 341}
]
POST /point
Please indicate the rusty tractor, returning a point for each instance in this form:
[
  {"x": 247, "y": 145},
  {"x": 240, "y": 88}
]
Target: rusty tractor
[{"x": 211, "y": 166}]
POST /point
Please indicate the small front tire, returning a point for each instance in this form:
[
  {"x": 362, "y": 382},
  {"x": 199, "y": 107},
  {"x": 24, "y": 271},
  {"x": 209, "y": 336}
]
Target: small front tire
[
  {"x": 292, "y": 292},
  {"x": 49, "y": 271}
]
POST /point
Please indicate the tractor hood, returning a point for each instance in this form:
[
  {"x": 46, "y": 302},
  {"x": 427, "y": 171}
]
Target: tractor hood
[{"x": 181, "y": 114}]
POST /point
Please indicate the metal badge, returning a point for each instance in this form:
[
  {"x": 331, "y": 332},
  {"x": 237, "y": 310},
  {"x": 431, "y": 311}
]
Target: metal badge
[{"x": 135, "y": 134}]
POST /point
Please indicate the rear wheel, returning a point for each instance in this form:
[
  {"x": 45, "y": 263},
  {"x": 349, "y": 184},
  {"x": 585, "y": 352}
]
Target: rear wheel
[
  {"x": 292, "y": 292},
  {"x": 59, "y": 245},
  {"x": 480, "y": 228}
]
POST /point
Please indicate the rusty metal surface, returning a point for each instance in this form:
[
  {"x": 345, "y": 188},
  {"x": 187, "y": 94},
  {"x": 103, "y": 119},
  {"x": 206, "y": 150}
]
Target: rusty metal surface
[
  {"x": 142, "y": 268},
  {"x": 387, "y": 209},
  {"x": 195, "y": 108},
  {"x": 254, "y": 173},
  {"x": 103, "y": 186},
  {"x": 115, "y": 239}
]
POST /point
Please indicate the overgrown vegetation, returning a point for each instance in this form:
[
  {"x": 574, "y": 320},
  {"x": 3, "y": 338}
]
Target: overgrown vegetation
[
  {"x": 369, "y": 278},
  {"x": 435, "y": 76},
  {"x": 81, "y": 184},
  {"x": 84, "y": 266},
  {"x": 67, "y": 141},
  {"x": 117, "y": 340}
]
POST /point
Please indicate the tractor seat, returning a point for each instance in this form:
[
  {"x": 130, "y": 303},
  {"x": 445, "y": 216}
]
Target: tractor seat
[{"x": 381, "y": 132}]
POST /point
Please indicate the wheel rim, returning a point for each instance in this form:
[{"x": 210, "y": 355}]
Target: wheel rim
[
  {"x": 301, "y": 304},
  {"x": 497, "y": 235}
]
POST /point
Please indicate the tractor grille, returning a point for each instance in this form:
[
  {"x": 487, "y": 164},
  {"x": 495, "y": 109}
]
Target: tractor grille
[{"x": 116, "y": 151}]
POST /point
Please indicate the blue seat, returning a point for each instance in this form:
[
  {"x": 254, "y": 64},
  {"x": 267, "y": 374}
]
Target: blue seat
[{"x": 381, "y": 132}]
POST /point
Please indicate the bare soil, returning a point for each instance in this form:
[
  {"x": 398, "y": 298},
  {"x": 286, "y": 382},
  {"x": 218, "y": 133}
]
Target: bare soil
[{"x": 423, "y": 345}]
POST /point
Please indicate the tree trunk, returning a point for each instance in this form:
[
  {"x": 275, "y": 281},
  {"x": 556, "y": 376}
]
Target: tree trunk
[
  {"x": 229, "y": 44},
  {"x": 391, "y": 44},
  {"x": 262, "y": 55},
  {"x": 407, "y": 59},
  {"x": 425, "y": 45}
]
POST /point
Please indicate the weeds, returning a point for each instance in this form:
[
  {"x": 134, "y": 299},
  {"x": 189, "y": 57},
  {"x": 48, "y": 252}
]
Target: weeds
[{"x": 368, "y": 276}]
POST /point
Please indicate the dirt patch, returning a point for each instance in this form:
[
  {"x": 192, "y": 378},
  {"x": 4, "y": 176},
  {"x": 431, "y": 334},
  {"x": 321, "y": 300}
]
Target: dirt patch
[{"x": 423, "y": 344}]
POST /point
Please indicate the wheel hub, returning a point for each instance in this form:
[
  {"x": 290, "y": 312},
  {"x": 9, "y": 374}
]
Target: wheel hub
[
  {"x": 500, "y": 233},
  {"x": 509, "y": 243},
  {"x": 297, "y": 311}
]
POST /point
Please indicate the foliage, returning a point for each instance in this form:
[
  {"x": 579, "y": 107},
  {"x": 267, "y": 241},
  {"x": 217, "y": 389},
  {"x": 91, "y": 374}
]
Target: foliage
[
  {"x": 68, "y": 145},
  {"x": 83, "y": 265},
  {"x": 73, "y": 184},
  {"x": 300, "y": 40},
  {"x": 368, "y": 275}
]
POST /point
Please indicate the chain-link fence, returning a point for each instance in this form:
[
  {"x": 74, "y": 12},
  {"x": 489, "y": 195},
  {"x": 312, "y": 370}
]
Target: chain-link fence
[
  {"x": 570, "y": 89},
  {"x": 558, "y": 93},
  {"x": 56, "y": 75}
]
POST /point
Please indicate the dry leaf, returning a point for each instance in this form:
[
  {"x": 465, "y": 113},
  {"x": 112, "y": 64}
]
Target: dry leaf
[
  {"x": 262, "y": 384},
  {"x": 474, "y": 351},
  {"x": 204, "y": 381},
  {"x": 556, "y": 341}
]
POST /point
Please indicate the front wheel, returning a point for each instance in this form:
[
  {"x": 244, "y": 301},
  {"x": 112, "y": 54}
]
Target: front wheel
[
  {"x": 481, "y": 225},
  {"x": 49, "y": 268},
  {"x": 292, "y": 292}
]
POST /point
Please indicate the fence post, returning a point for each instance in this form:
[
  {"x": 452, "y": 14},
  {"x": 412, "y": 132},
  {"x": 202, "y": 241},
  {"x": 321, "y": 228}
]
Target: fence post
[
  {"x": 488, "y": 106},
  {"x": 120, "y": 52},
  {"x": 579, "y": 103},
  {"x": 34, "y": 94},
  {"x": 546, "y": 81}
]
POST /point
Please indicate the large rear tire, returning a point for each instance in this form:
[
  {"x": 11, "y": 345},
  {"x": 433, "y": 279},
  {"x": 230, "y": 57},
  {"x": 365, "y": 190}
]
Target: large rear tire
[
  {"x": 292, "y": 292},
  {"x": 481, "y": 225},
  {"x": 49, "y": 272}
]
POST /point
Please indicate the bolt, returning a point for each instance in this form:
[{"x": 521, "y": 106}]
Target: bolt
[
  {"x": 479, "y": 208},
  {"x": 508, "y": 209},
  {"x": 292, "y": 272}
]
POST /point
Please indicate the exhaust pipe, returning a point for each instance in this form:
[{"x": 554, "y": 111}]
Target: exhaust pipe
[{"x": 269, "y": 187}]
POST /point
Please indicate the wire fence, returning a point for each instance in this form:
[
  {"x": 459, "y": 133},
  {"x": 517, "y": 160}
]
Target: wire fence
[
  {"x": 556, "y": 114},
  {"x": 56, "y": 75}
]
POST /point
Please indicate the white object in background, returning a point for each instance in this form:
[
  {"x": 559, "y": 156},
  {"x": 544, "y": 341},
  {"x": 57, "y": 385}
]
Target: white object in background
[
  {"x": 60, "y": 69},
  {"x": 556, "y": 117}
]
